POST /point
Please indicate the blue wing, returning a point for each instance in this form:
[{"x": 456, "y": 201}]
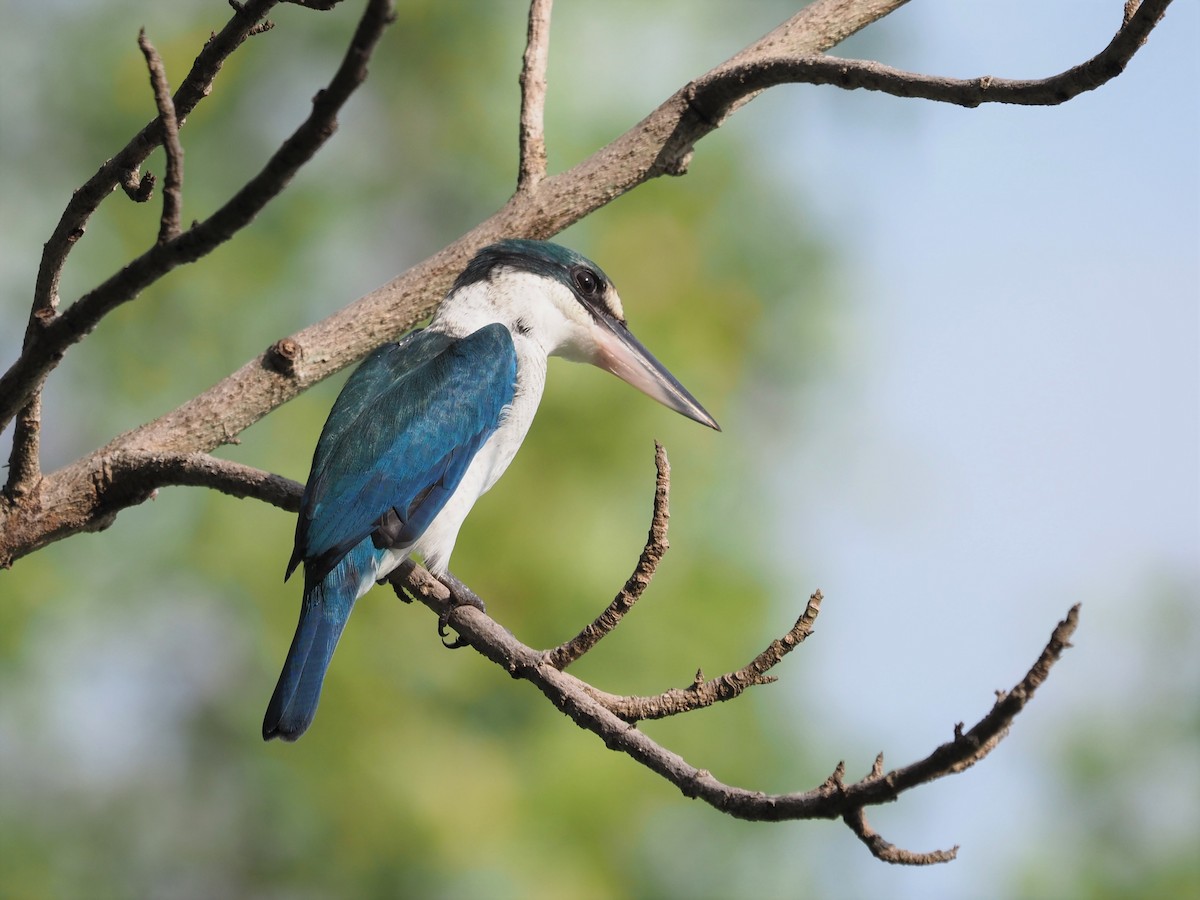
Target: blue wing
[
  {"x": 396, "y": 445},
  {"x": 399, "y": 440}
]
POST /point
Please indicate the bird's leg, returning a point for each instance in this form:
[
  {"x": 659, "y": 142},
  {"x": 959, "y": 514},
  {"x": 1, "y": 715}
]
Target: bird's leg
[{"x": 460, "y": 595}]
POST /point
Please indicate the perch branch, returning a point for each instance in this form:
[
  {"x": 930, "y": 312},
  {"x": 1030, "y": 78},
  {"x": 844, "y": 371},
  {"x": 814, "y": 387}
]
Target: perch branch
[
  {"x": 168, "y": 228},
  {"x": 533, "y": 97},
  {"x": 831, "y": 800}
]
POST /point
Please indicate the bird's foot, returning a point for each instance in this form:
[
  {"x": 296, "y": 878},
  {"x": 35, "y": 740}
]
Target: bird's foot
[
  {"x": 460, "y": 595},
  {"x": 397, "y": 577}
]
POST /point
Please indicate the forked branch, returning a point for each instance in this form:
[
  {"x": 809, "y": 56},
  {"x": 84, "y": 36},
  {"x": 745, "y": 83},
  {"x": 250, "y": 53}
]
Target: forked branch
[{"x": 610, "y": 717}]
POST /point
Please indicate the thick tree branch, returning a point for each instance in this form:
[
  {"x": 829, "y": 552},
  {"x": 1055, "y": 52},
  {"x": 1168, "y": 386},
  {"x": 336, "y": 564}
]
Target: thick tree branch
[
  {"x": 248, "y": 394},
  {"x": 660, "y": 144}
]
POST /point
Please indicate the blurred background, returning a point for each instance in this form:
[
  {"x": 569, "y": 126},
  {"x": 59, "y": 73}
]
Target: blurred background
[{"x": 955, "y": 354}]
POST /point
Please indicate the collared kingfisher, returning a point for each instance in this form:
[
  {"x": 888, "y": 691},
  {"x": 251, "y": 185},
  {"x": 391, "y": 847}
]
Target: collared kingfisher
[{"x": 425, "y": 426}]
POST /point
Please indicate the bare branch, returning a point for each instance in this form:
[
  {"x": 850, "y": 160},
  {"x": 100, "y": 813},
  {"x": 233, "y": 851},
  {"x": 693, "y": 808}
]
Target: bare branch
[
  {"x": 124, "y": 165},
  {"x": 856, "y": 819},
  {"x": 168, "y": 228},
  {"x": 23, "y": 394},
  {"x": 660, "y": 144},
  {"x": 533, "y": 96},
  {"x": 715, "y": 95},
  {"x": 656, "y": 545},
  {"x": 51, "y": 341},
  {"x": 92, "y": 497},
  {"x": 831, "y": 800},
  {"x": 250, "y": 393},
  {"x": 703, "y": 693},
  {"x": 146, "y": 472}
]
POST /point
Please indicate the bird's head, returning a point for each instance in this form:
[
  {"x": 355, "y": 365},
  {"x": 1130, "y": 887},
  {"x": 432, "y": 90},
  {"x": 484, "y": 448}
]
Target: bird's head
[{"x": 565, "y": 303}]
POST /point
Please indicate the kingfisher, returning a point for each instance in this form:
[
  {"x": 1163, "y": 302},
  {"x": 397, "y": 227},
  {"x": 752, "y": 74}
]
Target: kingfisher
[{"x": 425, "y": 426}]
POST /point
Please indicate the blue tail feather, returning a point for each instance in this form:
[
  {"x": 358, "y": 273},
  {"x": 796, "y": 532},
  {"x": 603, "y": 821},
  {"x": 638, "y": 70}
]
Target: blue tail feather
[{"x": 323, "y": 615}]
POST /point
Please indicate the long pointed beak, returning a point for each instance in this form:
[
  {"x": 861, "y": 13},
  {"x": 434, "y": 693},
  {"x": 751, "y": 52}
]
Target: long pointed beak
[{"x": 619, "y": 352}]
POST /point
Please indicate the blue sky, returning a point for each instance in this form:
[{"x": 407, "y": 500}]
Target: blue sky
[{"x": 1014, "y": 424}]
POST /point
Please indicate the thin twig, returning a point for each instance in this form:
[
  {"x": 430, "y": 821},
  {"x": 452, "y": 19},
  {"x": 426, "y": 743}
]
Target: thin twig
[
  {"x": 703, "y": 693},
  {"x": 656, "y": 546},
  {"x": 856, "y": 819},
  {"x": 82, "y": 316},
  {"x": 173, "y": 182},
  {"x": 116, "y": 171},
  {"x": 533, "y": 97}
]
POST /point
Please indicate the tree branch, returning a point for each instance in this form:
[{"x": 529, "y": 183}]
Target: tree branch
[
  {"x": 24, "y": 462},
  {"x": 607, "y": 717},
  {"x": 703, "y": 693},
  {"x": 173, "y": 183},
  {"x": 718, "y": 93},
  {"x": 248, "y": 394},
  {"x": 659, "y": 144},
  {"x": 51, "y": 340},
  {"x": 123, "y": 167},
  {"x": 533, "y": 97},
  {"x": 25, "y": 479}
]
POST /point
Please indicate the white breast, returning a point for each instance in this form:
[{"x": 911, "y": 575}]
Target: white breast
[{"x": 436, "y": 543}]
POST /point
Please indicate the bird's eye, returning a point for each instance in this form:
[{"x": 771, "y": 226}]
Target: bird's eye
[{"x": 586, "y": 280}]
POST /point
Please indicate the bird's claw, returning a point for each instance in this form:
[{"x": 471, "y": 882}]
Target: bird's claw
[
  {"x": 443, "y": 623},
  {"x": 460, "y": 595}
]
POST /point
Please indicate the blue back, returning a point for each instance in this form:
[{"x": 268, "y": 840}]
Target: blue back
[{"x": 399, "y": 439}]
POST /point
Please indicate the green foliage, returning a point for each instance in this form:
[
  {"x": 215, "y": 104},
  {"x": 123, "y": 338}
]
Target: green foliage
[{"x": 143, "y": 656}]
